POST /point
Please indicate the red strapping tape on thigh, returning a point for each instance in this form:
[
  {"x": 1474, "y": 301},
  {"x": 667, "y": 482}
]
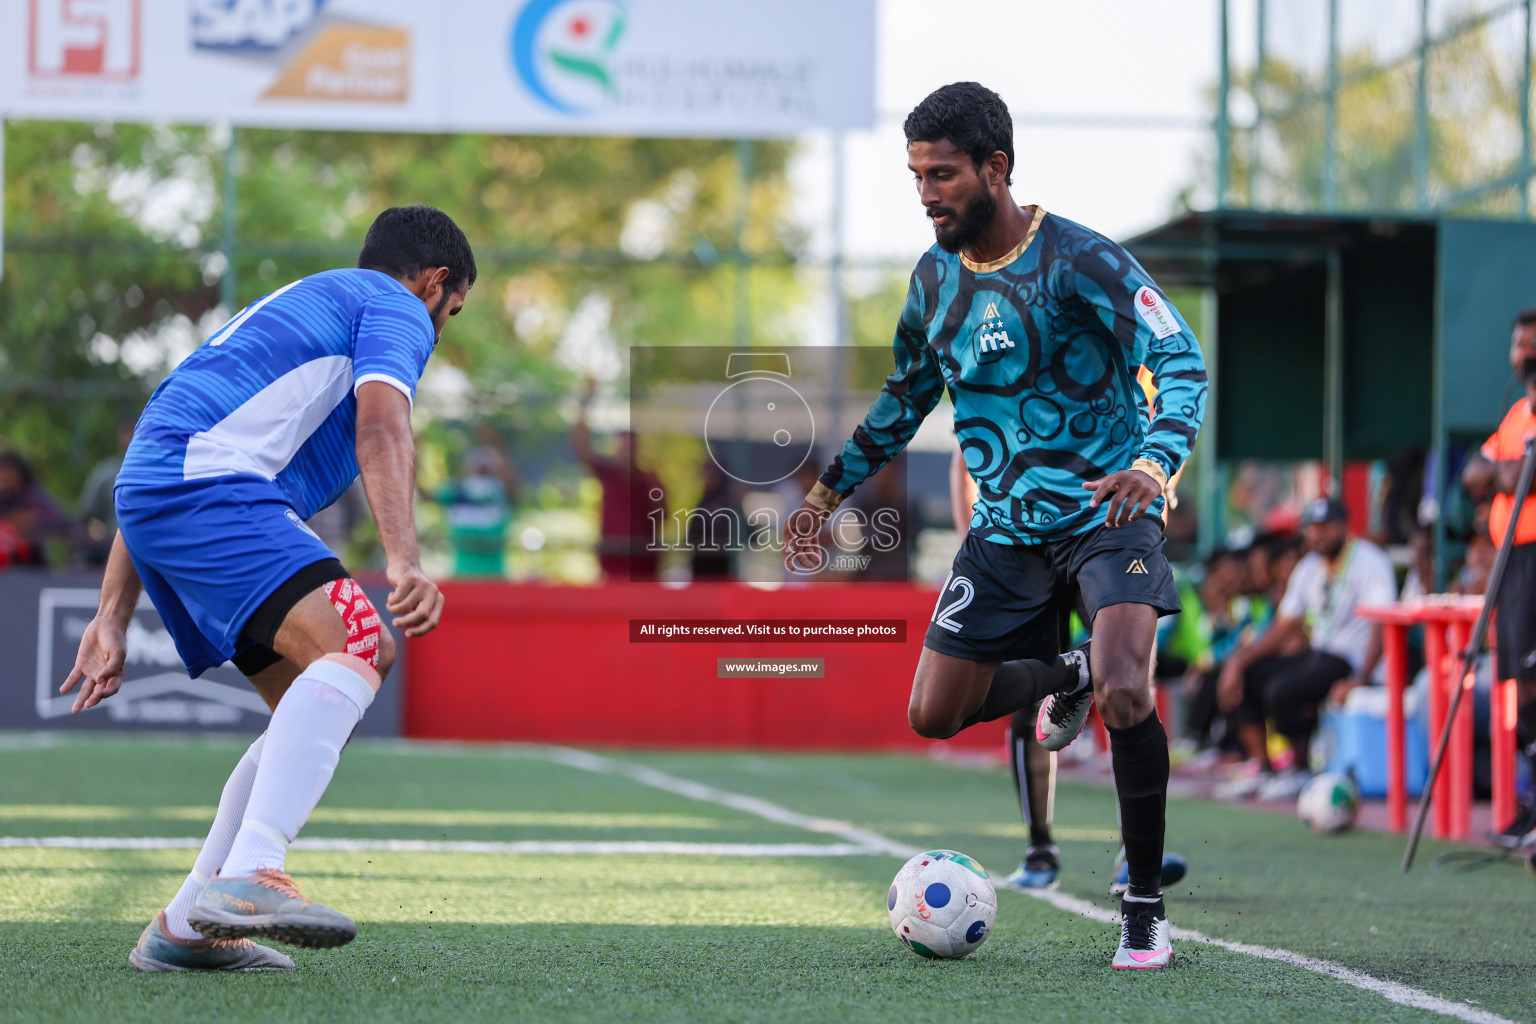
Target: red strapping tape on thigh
[{"x": 361, "y": 618}]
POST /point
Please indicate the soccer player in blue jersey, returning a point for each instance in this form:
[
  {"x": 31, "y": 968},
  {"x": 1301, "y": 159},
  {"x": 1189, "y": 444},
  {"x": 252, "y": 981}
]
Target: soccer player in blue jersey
[
  {"x": 264, "y": 425},
  {"x": 1037, "y": 327}
]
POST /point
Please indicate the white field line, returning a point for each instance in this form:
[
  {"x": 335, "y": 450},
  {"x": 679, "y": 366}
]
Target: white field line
[
  {"x": 465, "y": 846},
  {"x": 10, "y": 742},
  {"x": 747, "y": 804},
  {"x": 1403, "y": 995}
]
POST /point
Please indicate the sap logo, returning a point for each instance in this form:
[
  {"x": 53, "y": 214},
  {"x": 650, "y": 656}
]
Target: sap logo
[
  {"x": 84, "y": 39},
  {"x": 250, "y": 26}
]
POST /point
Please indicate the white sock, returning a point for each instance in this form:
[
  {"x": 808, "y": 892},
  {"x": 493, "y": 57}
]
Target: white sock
[
  {"x": 304, "y": 741},
  {"x": 216, "y": 847}
]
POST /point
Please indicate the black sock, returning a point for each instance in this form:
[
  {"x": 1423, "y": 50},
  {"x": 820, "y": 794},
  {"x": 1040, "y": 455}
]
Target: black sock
[
  {"x": 1032, "y": 770},
  {"x": 1020, "y": 685},
  {"x": 1140, "y": 758}
]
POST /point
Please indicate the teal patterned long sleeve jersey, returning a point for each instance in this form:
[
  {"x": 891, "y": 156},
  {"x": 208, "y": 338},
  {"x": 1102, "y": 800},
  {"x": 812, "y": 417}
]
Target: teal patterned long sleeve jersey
[{"x": 1039, "y": 351}]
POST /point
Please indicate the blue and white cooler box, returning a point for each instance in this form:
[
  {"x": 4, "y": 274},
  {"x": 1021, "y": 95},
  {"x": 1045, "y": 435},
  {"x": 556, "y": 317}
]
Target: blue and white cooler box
[{"x": 1354, "y": 739}]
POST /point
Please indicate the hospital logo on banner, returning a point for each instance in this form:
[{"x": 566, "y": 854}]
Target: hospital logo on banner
[
  {"x": 84, "y": 40},
  {"x": 563, "y": 50}
]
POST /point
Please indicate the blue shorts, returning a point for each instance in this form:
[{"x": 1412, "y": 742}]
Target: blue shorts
[{"x": 209, "y": 552}]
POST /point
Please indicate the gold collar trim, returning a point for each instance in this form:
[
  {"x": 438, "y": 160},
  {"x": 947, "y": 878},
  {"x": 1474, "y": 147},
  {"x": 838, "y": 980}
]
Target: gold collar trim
[{"x": 1037, "y": 214}]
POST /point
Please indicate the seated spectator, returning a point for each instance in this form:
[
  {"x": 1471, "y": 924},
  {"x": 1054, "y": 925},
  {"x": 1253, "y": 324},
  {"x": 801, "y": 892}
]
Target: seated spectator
[
  {"x": 1270, "y": 560},
  {"x": 1183, "y": 638},
  {"x": 29, "y": 516},
  {"x": 1258, "y": 565},
  {"x": 1261, "y": 681},
  {"x": 1421, "y": 574},
  {"x": 1223, "y": 616},
  {"x": 98, "y": 514},
  {"x": 1476, "y": 567}
]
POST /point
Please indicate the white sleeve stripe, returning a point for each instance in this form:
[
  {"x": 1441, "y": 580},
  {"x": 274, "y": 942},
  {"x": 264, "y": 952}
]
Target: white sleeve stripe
[
  {"x": 394, "y": 382},
  {"x": 220, "y": 336}
]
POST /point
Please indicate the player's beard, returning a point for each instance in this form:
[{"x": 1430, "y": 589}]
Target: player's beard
[
  {"x": 965, "y": 227},
  {"x": 1332, "y": 549}
]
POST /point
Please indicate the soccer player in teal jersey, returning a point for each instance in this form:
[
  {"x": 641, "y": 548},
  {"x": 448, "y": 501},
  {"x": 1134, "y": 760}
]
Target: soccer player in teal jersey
[{"x": 1037, "y": 327}]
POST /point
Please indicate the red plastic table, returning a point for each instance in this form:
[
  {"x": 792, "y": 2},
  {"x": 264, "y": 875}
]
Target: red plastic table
[{"x": 1447, "y": 622}]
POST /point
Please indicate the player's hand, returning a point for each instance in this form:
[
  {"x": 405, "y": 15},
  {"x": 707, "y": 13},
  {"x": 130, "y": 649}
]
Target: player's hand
[
  {"x": 802, "y": 539},
  {"x": 99, "y": 664},
  {"x": 1229, "y": 687},
  {"x": 1127, "y": 494},
  {"x": 415, "y": 603},
  {"x": 1340, "y": 691}
]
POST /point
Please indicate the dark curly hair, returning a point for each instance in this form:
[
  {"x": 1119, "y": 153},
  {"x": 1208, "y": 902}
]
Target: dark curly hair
[
  {"x": 19, "y": 463},
  {"x": 405, "y": 240},
  {"x": 971, "y": 116}
]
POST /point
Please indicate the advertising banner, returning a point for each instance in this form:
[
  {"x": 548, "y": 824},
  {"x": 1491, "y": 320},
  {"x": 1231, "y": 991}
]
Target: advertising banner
[
  {"x": 697, "y": 68},
  {"x": 40, "y": 631}
]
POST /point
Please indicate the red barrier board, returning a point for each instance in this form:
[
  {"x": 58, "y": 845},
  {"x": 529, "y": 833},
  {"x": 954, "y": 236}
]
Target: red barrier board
[{"x": 557, "y": 665}]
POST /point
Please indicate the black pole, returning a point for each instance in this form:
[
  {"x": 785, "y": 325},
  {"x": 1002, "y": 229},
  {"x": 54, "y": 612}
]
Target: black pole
[{"x": 1475, "y": 641}]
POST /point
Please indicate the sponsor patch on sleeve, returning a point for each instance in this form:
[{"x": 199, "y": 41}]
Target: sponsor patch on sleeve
[{"x": 1155, "y": 312}]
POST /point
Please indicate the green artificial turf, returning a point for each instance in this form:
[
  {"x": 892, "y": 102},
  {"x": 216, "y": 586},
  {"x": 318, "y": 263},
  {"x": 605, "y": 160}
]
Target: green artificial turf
[{"x": 476, "y": 936}]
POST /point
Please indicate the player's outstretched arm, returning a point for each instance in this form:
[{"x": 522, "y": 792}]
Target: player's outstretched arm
[
  {"x": 909, "y": 394},
  {"x": 386, "y": 455},
  {"x": 103, "y": 651}
]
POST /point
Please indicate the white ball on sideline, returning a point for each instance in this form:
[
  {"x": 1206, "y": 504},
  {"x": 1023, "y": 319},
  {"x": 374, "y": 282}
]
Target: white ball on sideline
[{"x": 1330, "y": 802}]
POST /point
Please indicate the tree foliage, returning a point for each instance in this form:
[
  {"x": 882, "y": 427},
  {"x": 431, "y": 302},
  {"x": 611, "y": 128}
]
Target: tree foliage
[
  {"x": 1473, "y": 130},
  {"x": 116, "y": 257}
]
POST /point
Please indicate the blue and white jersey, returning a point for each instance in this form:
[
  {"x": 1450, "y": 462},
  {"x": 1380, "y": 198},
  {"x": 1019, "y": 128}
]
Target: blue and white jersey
[{"x": 273, "y": 393}]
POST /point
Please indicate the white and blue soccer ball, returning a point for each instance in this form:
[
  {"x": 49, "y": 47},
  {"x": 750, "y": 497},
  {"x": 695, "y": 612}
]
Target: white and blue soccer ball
[
  {"x": 942, "y": 905},
  {"x": 1329, "y": 802}
]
